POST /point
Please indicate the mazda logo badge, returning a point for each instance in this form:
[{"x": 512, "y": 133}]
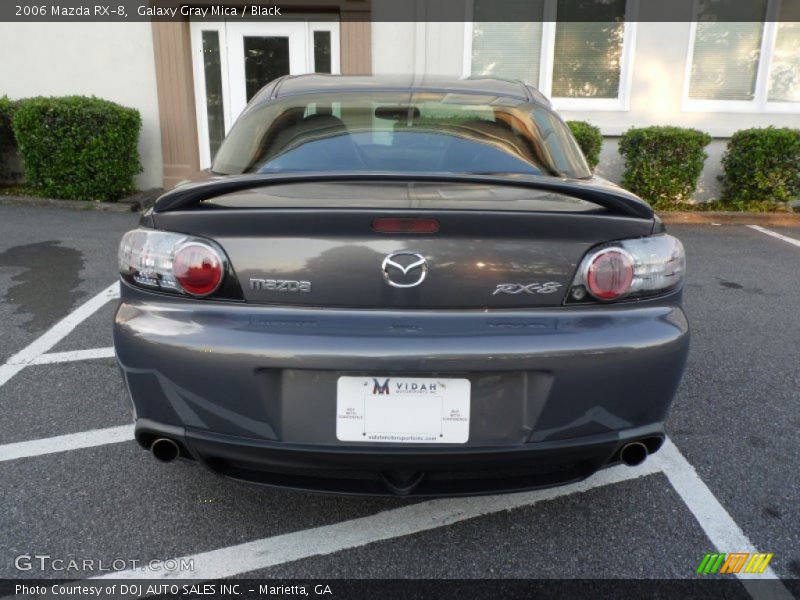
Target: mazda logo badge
[{"x": 398, "y": 266}]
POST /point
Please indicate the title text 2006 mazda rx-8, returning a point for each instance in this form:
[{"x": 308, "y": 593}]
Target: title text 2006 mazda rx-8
[{"x": 391, "y": 287}]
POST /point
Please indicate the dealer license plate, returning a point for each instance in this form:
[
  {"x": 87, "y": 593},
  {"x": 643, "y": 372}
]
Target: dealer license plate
[{"x": 403, "y": 410}]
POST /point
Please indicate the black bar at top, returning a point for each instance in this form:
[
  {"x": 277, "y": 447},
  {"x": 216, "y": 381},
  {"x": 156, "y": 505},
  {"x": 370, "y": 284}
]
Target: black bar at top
[{"x": 400, "y": 10}]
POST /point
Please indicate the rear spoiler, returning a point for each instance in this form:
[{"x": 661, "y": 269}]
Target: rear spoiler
[{"x": 593, "y": 190}]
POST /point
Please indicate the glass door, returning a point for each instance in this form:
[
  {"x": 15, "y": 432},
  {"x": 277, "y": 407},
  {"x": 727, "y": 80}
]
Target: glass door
[
  {"x": 233, "y": 60},
  {"x": 260, "y": 52}
]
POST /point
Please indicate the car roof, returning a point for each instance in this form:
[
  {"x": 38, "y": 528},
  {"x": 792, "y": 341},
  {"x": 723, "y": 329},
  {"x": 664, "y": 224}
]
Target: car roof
[{"x": 321, "y": 83}]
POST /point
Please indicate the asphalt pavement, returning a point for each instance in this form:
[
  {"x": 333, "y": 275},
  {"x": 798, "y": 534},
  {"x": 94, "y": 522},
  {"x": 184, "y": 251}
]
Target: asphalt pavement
[{"x": 736, "y": 420}]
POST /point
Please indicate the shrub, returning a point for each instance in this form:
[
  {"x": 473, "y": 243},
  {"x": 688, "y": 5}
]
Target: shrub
[
  {"x": 78, "y": 147},
  {"x": 663, "y": 164},
  {"x": 7, "y": 142},
  {"x": 589, "y": 139},
  {"x": 762, "y": 164}
]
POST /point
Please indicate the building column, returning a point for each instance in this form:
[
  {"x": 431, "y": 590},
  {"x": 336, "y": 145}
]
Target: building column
[{"x": 176, "y": 105}]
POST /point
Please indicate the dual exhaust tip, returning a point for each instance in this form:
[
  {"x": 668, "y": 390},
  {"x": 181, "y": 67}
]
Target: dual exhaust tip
[
  {"x": 633, "y": 454},
  {"x": 165, "y": 450}
]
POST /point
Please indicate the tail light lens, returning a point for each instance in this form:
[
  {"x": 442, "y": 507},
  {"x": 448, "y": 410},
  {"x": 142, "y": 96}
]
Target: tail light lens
[
  {"x": 197, "y": 268},
  {"x": 171, "y": 262},
  {"x": 609, "y": 274},
  {"x": 630, "y": 268}
]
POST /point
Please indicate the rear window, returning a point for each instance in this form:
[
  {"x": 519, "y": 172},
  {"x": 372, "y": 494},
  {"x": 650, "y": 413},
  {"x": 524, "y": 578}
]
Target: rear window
[{"x": 400, "y": 133}]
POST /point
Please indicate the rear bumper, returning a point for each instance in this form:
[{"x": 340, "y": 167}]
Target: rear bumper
[
  {"x": 401, "y": 471},
  {"x": 251, "y": 390}
]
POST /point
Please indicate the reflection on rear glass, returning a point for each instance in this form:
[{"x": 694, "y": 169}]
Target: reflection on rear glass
[{"x": 396, "y": 132}]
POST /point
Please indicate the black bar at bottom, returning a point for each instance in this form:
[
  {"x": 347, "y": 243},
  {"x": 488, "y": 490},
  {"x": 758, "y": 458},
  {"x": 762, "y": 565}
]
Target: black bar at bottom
[{"x": 392, "y": 589}]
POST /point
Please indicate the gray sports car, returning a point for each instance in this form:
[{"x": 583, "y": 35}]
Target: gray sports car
[{"x": 387, "y": 286}]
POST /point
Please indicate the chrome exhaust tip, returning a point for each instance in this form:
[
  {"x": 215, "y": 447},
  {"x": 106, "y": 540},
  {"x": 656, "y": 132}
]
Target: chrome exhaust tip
[
  {"x": 165, "y": 450},
  {"x": 633, "y": 454}
]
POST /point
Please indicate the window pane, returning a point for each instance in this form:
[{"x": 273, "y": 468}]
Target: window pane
[
  {"x": 322, "y": 51},
  {"x": 400, "y": 132},
  {"x": 508, "y": 49},
  {"x": 588, "y": 55},
  {"x": 726, "y": 53},
  {"x": 215, "y": 109},
  {"x": 265, "y": 59},
  {"x": 784, "y": 73}
]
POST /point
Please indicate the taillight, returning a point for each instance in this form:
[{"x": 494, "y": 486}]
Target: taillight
[
  {"x": 630, "y": 268},
  {"x": 609, "y": 274},
  {"x": 197, "y": 268},
  {"x": 171, "y": 262}
]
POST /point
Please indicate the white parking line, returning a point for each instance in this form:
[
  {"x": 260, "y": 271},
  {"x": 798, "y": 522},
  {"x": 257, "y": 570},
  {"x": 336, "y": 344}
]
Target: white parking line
[
  {"x": 72, "y": 356},
  {"x": 62, "y": 443},
  {"x": 775, "y": 234},
  {"x": 386, "y": 525},
  {"x": 712, "y": 517},
  {"x": 56, "y": 333}
]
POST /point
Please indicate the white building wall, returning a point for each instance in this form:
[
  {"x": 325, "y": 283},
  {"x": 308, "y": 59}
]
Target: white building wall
[
  {"x": 113, "y": 61},
  {"x": 417, "y": 47},
  {"x": 393, "y": 47}
]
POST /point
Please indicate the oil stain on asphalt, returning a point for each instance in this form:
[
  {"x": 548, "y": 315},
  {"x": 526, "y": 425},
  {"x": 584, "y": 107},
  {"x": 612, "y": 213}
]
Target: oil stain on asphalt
[
  {"x": 731, "y": 284},
  {"x": 47, "y": 287}
]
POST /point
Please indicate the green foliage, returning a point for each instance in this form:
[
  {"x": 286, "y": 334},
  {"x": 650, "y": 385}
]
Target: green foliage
[
  {"x": 6, "y": 113},
  {"x": 78, "y": 147},
  {"x": 762, "y": 165},
  {"x": 7, "y": 141},
  {"x": 663, "y": 164},
  {"x": 589, "y": 139}
]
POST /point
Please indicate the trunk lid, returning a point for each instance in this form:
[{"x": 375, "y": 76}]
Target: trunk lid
[{"x": 313, "y": 244}]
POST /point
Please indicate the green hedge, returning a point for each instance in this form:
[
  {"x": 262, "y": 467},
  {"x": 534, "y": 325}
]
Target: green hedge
[
  {"x": 589, "y": 139},
  {"x": 663, "y": 164},
  {"x": 78, "y": 147},
  {"x": 762, "y": 164},
  {"x": 7, "y": 141}
]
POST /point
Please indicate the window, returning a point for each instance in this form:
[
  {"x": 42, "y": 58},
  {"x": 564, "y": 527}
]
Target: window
[
  {"x": 508, "y": 49},
  {"x": 265, "y": 58},
  {"x": 576, "y": 52},
  {"x": 743, "y": 58},
  {"x": 215, "y": 109},
  {"x": 588, "y": 54},
  {"x": 322, "y": 51},
  {"x": 784, "y": 69},
  {"x": 401, "y": 133}
]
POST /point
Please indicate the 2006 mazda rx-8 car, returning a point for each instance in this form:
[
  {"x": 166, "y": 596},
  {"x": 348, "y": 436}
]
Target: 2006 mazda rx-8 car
[{"x": 384, "y": 286}]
